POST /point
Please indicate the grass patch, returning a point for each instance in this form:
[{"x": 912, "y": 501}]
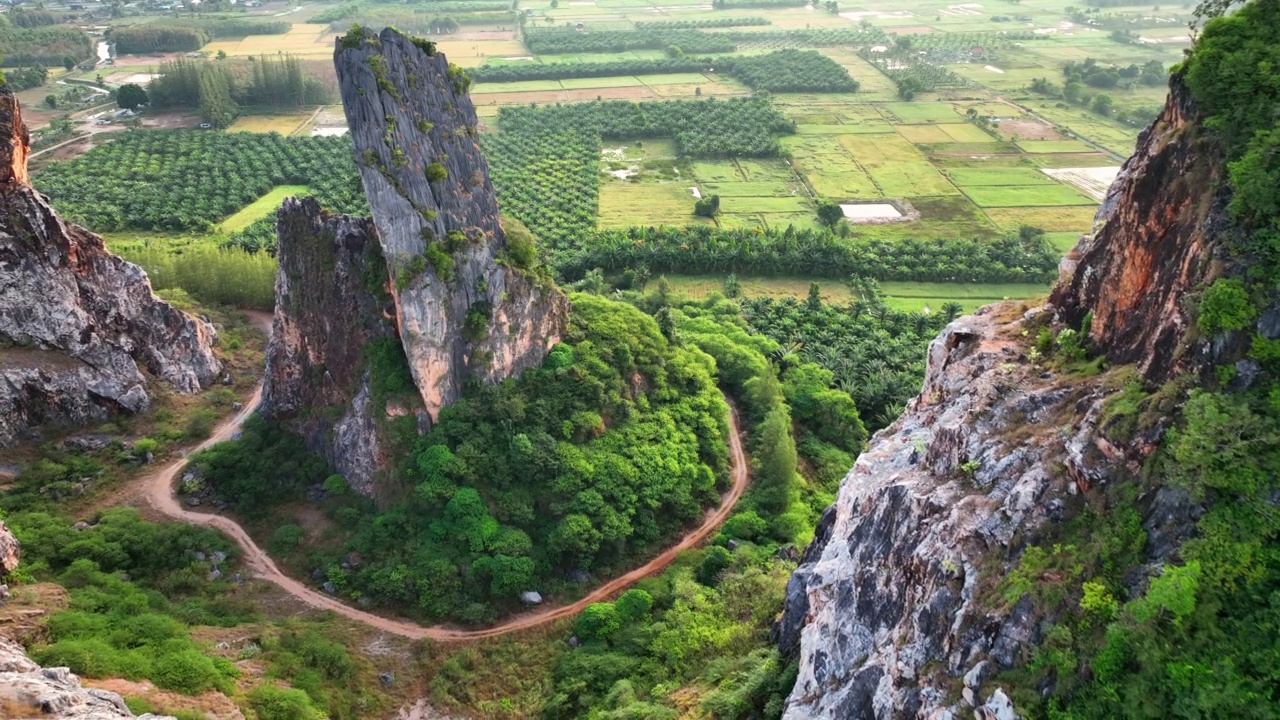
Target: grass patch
[
  {"x": 748, "y": 189},
  {"x": 1049, "y": 219},
  {"x": 718, "y": 171},
  {"x": 920, "y": 112},
  {"x": 844, "y": 185},
  {"x": 1053, "y": 146},
  {"x": 624, "y": 204},
  {"x": 262, "y": 206},
  {"x": 1027, "y": 196},
  {"x": 923, "y": 133},
  {"x": 283, "y": 124},
  {"x": 911, "y": 179},
  {"x": 764, "y": 204}
]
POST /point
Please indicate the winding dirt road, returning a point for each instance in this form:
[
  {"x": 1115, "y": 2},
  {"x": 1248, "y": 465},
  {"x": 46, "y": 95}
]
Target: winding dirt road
[{"x": 159, "y": 492}]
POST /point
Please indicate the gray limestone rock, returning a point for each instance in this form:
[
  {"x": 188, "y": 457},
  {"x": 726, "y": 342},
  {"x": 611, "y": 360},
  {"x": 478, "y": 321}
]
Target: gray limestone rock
[{"x": 81, "y": 333}]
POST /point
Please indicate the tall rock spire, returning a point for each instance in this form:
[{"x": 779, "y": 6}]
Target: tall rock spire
[{"x": 464, "y": 308}]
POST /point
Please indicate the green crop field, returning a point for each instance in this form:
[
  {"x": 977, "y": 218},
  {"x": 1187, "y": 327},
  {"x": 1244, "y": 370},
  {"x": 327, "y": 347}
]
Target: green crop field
[{"x": 261, "y": 207}]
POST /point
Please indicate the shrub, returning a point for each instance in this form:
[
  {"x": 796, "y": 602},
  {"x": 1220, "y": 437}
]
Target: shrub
[
  {"x": 276, "y": 703},
  {"x": 436, "y": 172},
  {"x": 1225, "y": 307},
  {"x": 287, "y": 537},
  {"x": 200, "y": 423},
  {"x": 185, "y": 671},
  {"x": 634, "y": 605},
  {"x": 714, "y": 560},
  {"x": 746, "y": 525}
]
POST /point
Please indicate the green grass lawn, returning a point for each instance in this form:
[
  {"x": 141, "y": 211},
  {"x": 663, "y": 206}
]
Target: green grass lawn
[{"x": 262, "y": 206}]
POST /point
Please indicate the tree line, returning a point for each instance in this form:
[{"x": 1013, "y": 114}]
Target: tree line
[
  {"x": 188, "y": 35},
  {"x": 699, "y": 249},
  {"x": 780, "y": 71},
  {"x": 218, "y": 90},
  {"x": 48, "y": 46}
]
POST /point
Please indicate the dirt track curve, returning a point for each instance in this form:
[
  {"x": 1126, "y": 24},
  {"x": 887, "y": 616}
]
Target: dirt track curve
[{"x": 159, "y": 492}]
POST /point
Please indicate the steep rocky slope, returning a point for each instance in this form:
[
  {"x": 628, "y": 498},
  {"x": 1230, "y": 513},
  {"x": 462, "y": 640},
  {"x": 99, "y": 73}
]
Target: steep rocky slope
[
  {"x": 80, "y": 330},
  {"x": 464, "y": 307},
  {"x": 331, "y": 304},
  {"x": 891, "y": 611}
]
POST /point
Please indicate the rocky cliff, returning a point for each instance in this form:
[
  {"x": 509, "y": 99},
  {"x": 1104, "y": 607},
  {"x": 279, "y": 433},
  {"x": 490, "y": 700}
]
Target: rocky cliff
[
  {"x": 891, "y": 610},
  {"x": 332, "y": 302},
  {"x": 464, "y": 309},
  {"x": 81, "y": 333}
]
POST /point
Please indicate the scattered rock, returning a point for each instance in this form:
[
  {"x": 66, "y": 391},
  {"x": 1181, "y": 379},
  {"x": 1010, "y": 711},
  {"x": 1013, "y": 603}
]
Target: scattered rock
[
  {"x": 531, "y": 597},
  {"x": 215, "y": 573},
  {"x": 82, "y": 526},
  {"x": 581, "y": 577},
  {"x": 328, "y": 587},
  {"x": 236, "y": 406},
  {"x": 193, "y": 502},
  {"x": 238, "y": 579},
  {"x": 732, "y": 545},
  {"x": 219, "y": 556},
  {"x": 574, "y": 641},
  {"x": 997, "y": 707},
  {"x": 201, "y": 556},
  {"x": 387, "y": 678},
  {"x": 787, "y": 553}
]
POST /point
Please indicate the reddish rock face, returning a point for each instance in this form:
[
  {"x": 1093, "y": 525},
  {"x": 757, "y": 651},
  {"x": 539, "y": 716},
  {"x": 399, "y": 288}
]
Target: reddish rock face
[
  {"x": 80, "y": 329},
  {"x": 1153, "y": 244}
]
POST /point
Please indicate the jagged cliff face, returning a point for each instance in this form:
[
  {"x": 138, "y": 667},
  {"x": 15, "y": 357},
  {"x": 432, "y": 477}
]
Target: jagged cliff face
[
  {"x": 81, "y": 333},
  {"x": 891, "y": 610},
  {"x": 1153, "y": 243},
  {"x": 414, "y": 131},
  {"x": 331, "y": 303}
]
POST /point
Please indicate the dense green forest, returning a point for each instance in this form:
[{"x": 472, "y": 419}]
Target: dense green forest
[{"x": 607, "y": 450}]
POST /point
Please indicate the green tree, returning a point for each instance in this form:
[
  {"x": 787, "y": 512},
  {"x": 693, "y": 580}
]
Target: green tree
[
  {"x": 714, "y": 560},
  {"x": 829, "y": 213},
  {"x": 1103, "y": 104},
  {"x": 732, "y": 287},
  {"x": 634, "y": 605},
  {"x": 276, "y": 703},
  {"x": 597, "y": 622},
  {"x": 131, "y": 96}
]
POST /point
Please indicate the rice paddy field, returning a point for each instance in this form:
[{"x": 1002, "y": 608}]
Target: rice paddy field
[{"x": 979, "y": 157}]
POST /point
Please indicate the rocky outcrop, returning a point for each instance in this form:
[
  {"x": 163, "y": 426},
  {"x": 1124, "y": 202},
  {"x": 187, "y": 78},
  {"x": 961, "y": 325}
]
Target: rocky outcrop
[
  {"x": 10, "y": 551},
  {"x": 1153, "y": 245},
  {"x": 892, "y": 610},
  {"x": 81, "y": 333},
  {"x": 30, "y": 691},
  {"x": 463, "y": 310},
  {"x": 888, "y": 589},
  {"x": 332, "y": 302}
]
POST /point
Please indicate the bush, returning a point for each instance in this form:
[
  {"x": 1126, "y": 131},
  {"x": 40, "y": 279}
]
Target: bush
[
  {"x": 714, "y": 560},
  {"x": 634, "y": 605},
  {"x": 285, "y": 539},
  {"x": 746, "y": 525},
  {"x": 1225, "y": 307},
  {"x": 185, "y": 671},
  {"x": 276, "y": 703},
  {"x": 200, "y": 423}
]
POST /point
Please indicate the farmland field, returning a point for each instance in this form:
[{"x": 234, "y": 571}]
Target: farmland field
[{"x": 975, "y": 154}]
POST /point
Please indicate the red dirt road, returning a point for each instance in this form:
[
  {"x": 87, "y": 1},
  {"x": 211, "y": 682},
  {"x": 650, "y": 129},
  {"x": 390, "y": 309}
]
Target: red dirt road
[{"x": 159, "y": 493}]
